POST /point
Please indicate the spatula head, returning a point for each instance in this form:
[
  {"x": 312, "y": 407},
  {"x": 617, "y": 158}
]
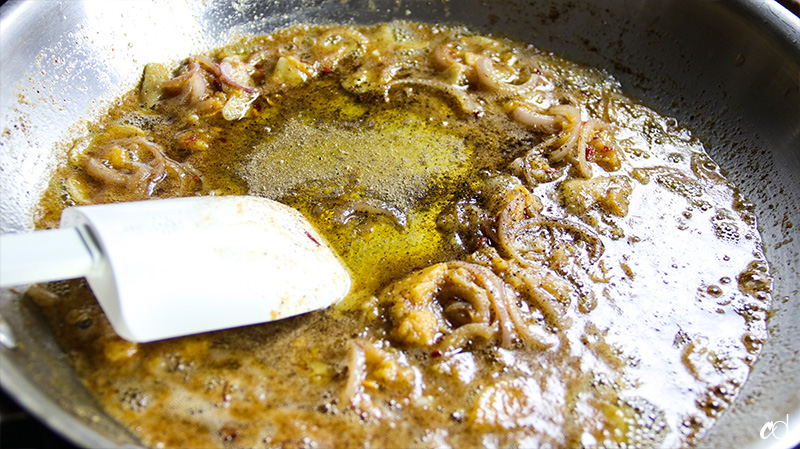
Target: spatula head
[{"x": 183, "y": 266}]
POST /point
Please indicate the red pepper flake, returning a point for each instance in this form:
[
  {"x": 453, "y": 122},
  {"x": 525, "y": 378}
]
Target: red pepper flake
[
  {"x": 195, "y": 178},
  {"x": 550, "y": 170},
  {"x": 326, "y": 70},
  {"x": 606, "y": 149},
  {"x": 308, "y": 234},
  {"x": 483, "y": 241},
  {"x": 222, "y": 139},
  {"x": 436, "y": 354},
  {"x": 589, "y": 152}
]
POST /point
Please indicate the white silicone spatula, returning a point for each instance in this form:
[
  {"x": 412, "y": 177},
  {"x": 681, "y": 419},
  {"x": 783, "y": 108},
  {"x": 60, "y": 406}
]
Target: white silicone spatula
[{"x": 174, "y": 267}]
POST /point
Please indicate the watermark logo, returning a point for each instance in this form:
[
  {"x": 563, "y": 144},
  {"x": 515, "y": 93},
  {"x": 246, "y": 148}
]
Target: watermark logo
[{"x": 777, "y": 429}]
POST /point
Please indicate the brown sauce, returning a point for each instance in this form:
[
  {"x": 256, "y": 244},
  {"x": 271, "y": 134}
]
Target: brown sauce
[{"x": 538, "y": 260}]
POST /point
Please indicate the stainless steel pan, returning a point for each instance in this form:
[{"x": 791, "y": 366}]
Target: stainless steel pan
[{"x": 730, "y": 70}]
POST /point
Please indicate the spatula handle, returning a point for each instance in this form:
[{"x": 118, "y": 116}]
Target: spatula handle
[{"x": 48, "y": 255}]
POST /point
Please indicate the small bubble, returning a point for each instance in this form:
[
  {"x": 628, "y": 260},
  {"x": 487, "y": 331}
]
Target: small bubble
[
  {"x": 751, "y": 342},
  {"x": 672, "y": 123},
  {"x": 675, "y": 157}
]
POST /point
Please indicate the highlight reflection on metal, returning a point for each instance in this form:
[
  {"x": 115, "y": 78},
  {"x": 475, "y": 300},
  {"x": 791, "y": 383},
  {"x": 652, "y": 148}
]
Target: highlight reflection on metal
[{"x": 7, "y": 339}]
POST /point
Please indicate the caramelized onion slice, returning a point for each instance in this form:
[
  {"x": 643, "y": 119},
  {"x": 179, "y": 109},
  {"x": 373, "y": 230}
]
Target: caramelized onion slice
[{"x": 493, "y": 80}]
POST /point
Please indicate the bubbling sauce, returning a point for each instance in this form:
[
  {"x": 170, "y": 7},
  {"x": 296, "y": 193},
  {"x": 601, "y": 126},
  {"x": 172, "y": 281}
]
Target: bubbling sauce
[{"x": 538, "y": 260}]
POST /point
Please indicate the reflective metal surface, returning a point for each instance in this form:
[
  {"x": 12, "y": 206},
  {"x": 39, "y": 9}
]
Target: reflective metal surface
[{"x": 729, "y": 70}]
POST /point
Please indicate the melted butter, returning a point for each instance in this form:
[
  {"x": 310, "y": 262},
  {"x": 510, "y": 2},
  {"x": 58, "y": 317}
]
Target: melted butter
[
  {"x": 337, "y": 142},
  {"x": 681, "y": 292},
  {"x": 670, "y": 265},
  {"x": 330, "y": 144}
]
